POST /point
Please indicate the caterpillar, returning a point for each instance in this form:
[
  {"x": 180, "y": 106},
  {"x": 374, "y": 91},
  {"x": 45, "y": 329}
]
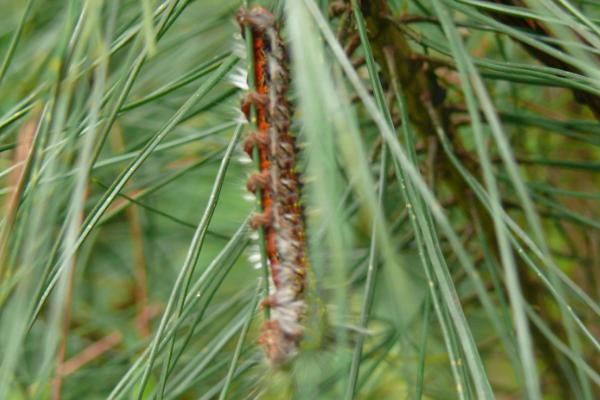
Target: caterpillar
[{"x": 282, "y": 216}]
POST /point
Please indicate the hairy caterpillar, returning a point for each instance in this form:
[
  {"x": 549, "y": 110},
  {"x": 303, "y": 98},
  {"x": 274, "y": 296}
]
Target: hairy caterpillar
[{"x": 282, "y": 215}]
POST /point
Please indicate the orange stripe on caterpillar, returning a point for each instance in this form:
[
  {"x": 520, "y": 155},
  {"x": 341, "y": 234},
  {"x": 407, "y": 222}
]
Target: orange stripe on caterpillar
[{"x": 260, "y": 139}]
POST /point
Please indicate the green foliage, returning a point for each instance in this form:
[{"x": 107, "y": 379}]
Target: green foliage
[{"x": 449, "y": 152}]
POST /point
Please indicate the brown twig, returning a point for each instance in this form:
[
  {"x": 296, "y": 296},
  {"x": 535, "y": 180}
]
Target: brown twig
[
  {"x": 139, "y": 259},
  {"x": 66, "y": 324},
  {"x": 22, "y": 157},
  {"x": 90, "y": 353}
]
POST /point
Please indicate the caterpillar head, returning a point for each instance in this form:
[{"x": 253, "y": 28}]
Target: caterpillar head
[{"x": 257, "y": 18}]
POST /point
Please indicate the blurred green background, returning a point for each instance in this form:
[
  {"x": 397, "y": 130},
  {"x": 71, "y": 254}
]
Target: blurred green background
[{"x": 473, "y": 273}]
